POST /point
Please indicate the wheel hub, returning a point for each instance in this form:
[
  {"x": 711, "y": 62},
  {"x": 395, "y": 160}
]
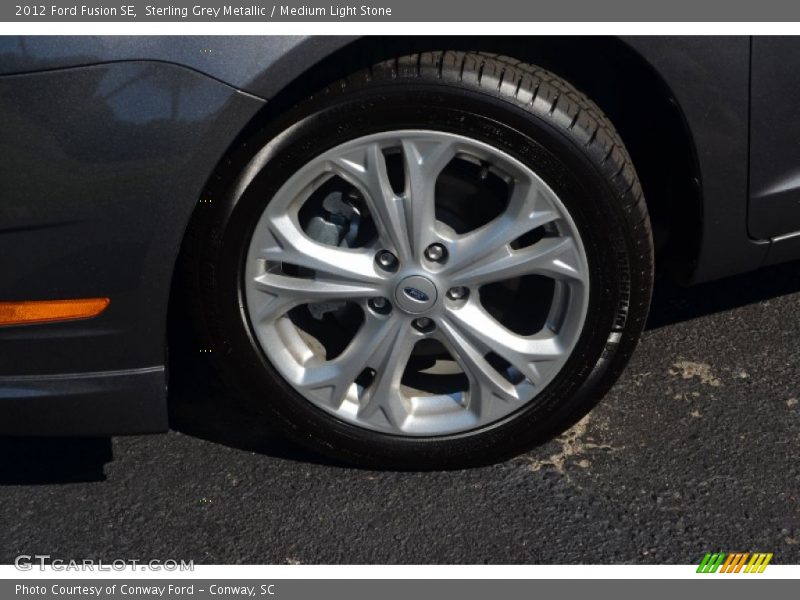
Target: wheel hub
[{"x": 416, "y": 294}]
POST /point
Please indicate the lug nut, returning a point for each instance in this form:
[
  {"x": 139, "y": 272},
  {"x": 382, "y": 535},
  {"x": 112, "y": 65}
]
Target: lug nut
[
  {"x": 386, "y": 259},
  {"x": 435, "y": 253},
  {"x": 379, "y": 304},
  {"x": 423, "y": 324},
  {"x": 457, "y": 293}
]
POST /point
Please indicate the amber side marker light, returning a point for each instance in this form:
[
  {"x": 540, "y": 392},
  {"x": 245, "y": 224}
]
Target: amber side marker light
[{"x": 44, "y": 311}]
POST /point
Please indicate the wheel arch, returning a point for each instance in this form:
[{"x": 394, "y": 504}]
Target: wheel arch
[
  {"x": 609, "y": 70},
  {"x": 614, "y": 75}
]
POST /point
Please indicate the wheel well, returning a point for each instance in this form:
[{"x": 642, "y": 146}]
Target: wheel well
[{"x": 613, "y": 75}]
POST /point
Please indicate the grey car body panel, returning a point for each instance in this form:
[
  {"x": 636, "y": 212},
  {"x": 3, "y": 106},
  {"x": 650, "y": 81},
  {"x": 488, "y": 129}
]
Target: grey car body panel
[
  {"x": 101, "y": 168},
  {"x": 709, "y": 78},
  {"x": 108, "y": 142},
  {"x": 775, "y": 142},
  {"x": 87, "y": 404},
  {"x": 256, "y": 64}
]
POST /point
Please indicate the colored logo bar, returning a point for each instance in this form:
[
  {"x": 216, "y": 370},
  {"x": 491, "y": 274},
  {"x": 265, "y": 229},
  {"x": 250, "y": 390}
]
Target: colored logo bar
[{"x": 734, "y": 562}]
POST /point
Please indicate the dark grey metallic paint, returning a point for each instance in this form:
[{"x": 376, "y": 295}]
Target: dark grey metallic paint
[
  {"x": 775, "y": 143},
  {"x": 102, "y": 167}
]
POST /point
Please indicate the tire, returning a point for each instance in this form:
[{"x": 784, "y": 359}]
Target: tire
[{"x": 523, "y": 113}]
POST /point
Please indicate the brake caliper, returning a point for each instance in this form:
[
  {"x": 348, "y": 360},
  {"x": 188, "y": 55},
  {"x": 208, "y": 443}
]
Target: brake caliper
[{"x": 337, "y": 225}]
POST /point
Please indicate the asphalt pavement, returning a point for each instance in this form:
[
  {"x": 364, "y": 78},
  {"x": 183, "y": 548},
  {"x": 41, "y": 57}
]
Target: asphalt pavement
[{"x": 696, "y": 448}]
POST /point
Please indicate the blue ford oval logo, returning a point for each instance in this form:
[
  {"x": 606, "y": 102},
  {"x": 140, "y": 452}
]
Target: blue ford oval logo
[{"x": 416, "y": 294}]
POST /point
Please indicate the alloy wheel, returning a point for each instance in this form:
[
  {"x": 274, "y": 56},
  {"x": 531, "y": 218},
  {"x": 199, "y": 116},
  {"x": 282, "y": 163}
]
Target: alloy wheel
[{"x": 416, "y": 283}]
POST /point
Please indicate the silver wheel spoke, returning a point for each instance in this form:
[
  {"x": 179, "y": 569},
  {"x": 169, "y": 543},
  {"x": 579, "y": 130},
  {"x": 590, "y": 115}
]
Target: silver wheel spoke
[
  {"x": 554, "y": 257},
  {"x": 288, "y": 244},
  {"x": 406, "y": 223},
  {"x": 389, "y": 362},
  {"x": 362, "y": 352},
  {"x": 286, "y": 292},
  {"x": 529, "y": 208},
  {"x": 481, "y": 330},
  {"x": 365, "y": 167},
  {"x": 424, "y": 161},
  {"x": 338, "y": 274},
  {"x": 486, "y": 384}
]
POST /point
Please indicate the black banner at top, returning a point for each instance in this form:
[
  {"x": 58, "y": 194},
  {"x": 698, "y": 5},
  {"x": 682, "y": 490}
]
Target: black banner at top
[{"x": 401, "y": 11}]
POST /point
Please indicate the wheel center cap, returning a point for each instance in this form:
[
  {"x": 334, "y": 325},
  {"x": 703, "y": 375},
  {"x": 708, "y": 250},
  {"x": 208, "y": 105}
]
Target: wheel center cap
[{"x": 416, "y": 294}]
